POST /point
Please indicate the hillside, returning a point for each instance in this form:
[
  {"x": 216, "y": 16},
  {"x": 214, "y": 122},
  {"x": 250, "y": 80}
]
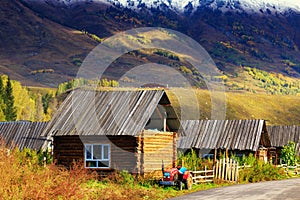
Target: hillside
[
  {"x": 268, "y": 39},
  {"x": 43, "y": 43},
  {"x": 38, "y": 51},
  {"x": 275, "y": 109}
]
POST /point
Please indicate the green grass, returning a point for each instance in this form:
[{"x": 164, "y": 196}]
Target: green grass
[{"x": 108, "y": 189}]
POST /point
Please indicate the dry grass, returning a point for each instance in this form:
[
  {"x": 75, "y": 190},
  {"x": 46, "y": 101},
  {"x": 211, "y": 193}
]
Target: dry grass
[
  {"x": 276, "y": 109},
  {"x": 23, "y": 178}
]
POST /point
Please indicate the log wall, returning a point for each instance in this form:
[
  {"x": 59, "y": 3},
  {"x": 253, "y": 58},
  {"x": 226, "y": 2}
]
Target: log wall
[
  {"x": 67, "y": 149},
  {"x": 155, "y": 147},
  {"x": 137, "y": 155},
  {"x": 122, "y": 150}
]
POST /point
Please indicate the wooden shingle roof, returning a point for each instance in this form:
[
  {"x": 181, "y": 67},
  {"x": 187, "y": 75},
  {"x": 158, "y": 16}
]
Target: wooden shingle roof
[
  {"x": 282, "y": 135},
  {"x": 224, "y": 134},
  {"x": 23, "y": 134},
  {"x": 87, "y": 112}
]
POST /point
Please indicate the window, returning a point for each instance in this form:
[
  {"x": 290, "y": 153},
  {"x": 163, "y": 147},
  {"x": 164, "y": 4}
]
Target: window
[{"x": 97, "y": 155}]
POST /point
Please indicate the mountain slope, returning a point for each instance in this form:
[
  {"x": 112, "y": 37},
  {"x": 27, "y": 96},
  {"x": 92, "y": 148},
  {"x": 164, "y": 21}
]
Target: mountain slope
[
  {"x": 35, "y": 50},
  {"x": 266, "y": 39},
  {"x": 250, "y": 6}
]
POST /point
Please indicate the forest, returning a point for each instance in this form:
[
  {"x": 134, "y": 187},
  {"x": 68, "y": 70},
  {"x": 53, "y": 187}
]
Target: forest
[{"x": 24, "y": 103}]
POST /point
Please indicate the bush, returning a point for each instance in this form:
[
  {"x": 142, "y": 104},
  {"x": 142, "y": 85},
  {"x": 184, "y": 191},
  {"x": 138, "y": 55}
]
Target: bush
[
  {"x": 288, "y": 154},
  {"x": 23, "y": 177},
  {"x": 246, "y": 160},
  {"x": 190, "y": 160},
  {"x": 261, "y": 171}
]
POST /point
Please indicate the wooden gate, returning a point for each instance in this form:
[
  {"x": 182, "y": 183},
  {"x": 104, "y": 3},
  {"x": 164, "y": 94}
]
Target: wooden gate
[
  {"x": 203, "y": 176},
  {"x": 227, "y": 170}
]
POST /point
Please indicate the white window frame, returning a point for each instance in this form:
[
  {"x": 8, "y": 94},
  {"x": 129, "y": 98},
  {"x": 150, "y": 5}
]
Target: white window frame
[{"x": 96, "y": 160}]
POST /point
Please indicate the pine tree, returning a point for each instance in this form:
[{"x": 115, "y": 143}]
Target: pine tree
[
  {"x": 8, "y": 98},
  {"x": 2, "y": 106},
  {"x": 1, "y": 87},
  {"x": 46, "y": 100}
]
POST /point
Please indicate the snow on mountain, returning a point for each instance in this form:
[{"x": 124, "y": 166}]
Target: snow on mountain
[{"x": 250, "y": 6}]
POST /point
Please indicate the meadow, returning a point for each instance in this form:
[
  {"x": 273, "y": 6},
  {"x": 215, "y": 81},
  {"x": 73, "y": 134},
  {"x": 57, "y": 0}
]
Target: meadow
[{"x": 24, "y": 175}]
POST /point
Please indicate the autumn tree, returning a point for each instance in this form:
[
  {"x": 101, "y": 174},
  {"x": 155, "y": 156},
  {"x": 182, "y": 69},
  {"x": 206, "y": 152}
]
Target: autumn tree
[
  {"x": 2, "y": 106},
  {"x": 8, "y": 98},
  {"x": 46, "y": 100},
  {"x": 39, "y": 110}
]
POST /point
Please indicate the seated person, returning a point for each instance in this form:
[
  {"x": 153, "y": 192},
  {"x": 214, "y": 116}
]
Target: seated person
[{"x": 181, "y": 170}]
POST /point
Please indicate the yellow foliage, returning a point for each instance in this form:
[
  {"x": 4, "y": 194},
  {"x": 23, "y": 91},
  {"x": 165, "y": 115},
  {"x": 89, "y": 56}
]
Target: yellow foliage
[{"x": 23, "y": 103}]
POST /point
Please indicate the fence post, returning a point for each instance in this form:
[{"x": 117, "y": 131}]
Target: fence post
[
  {"x": 230, "y": 170},
  {"x": 217, "y": 168},
  {"x": 220, "y": 169},
  {"x": 223, "y": 169},
  {"x": 237, "y": 172},
  {"x": 213, "y": 173},
  {"x": 205, "y": 172}
]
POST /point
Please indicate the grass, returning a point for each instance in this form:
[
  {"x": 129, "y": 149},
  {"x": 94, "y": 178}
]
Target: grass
[
  {"x": 24, "y": 176},
  {"x": 276, "y": 109},
  {"x": 136, "y": 192},
  {"x": 42, "y": 90}
]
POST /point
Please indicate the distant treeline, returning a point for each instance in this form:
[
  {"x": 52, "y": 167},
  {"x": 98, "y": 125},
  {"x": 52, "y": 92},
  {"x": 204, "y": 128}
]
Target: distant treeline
[
  {"x": 274, "y": 83},
  {"x": 80, "y": 82},
  {"x": 19, "y": 103}
]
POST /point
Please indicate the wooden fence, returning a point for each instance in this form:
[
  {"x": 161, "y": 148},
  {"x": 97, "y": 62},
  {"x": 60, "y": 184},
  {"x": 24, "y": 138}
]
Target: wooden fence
[
  {"x": 227, "y": 170},
  {"x": 291, "y": 169},
  {"x": 203, "y": 176}
]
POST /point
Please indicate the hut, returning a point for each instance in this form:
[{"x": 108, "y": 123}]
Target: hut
[
  {"x": 115, "y": 130},
  {"x": 23, "y": 134},
  {"x": 238, "y": 137},
  {"x": 282, "y": 135}
]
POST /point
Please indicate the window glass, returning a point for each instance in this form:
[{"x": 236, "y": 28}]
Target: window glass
[
  {"x": 103, "y": 163},
  {"x": 97, "y": 153},
  {"x": 91, "y": 164},
  {"x": 105, "y": 152},
  {"x": 88, "y": 151}
]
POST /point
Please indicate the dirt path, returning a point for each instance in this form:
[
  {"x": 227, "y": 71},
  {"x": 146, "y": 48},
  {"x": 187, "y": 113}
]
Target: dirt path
[{"x": 273, "y": 190}]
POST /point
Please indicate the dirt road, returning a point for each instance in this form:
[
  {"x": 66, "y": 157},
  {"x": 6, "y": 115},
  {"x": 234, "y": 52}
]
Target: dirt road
[{"x": 273, "y": 190}]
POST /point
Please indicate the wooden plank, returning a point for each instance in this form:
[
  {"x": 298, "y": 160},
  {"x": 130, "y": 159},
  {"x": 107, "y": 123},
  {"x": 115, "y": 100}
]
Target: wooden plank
[
  {"x": 223, "y": 169},
  {"x": 202, "y": 171}
]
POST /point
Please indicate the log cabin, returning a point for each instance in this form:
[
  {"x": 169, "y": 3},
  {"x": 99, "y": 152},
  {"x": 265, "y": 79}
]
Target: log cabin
[
  {"x": 229, "y": 137},
  {"x": 115, "y": 130},
  {"x": 22, "y": 134},
  {"x": 282, "y": 135}
]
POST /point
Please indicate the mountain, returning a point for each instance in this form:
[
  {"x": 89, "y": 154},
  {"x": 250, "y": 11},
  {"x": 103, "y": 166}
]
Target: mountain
[
  {"x": 54, "y": 36},
  {"x": 250, "y": 6},
  {"x": 36, "y": 50}
]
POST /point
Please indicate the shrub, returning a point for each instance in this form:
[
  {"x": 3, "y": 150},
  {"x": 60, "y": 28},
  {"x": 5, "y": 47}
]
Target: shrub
[
  {"x": 261, "y": 171},
  {"x": 190, "y": 160},
  {"x": 246, "y": 160},
  {"x": 22, "y": 177},
  {"x": 288, "y": 154}
]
